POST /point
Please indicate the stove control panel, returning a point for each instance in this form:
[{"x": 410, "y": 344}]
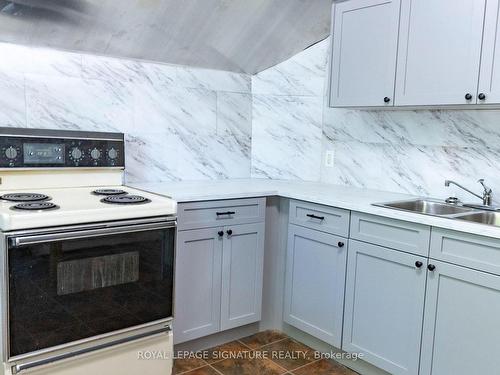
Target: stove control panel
[{"x": 22, "y": 148}]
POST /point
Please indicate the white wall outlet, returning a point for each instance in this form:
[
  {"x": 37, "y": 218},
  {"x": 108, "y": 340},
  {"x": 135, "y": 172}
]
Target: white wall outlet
[{"x": 329, "y": 158}]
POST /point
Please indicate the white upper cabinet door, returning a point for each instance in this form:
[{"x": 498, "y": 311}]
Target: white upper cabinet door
[
  {"x": 439, "y": 52},
  {"x": 462, "y": 322},
  {"x": 242, "y": 275},
  {"x": 384, "y": 304},
  {"x": 365, "y": 39},
  {"x": 489, "y": 76},
  {"x": 198, "y": 267}
]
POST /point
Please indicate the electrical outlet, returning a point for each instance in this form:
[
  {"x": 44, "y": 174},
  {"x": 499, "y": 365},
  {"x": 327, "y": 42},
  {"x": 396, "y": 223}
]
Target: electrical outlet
[{"x": 329, "y": 158}]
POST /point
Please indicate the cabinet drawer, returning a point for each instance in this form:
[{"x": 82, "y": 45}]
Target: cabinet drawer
[
  {"x": 469, "y": 250},
  {"x": 218, "y": 213},
  {"x": 323, "y": 218},
  {"x": 395, "y": 234}
]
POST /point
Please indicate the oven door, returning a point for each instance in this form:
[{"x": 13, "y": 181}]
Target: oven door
[{"x": 76, "y": 283}]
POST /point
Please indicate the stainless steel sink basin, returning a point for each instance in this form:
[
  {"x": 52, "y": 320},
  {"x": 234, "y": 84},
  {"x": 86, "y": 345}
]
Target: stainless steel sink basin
[
  {"x": 428, "y": 207},
  {"x": 489, "y": 218}
]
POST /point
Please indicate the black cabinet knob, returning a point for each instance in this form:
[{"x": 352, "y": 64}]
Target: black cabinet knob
[
  {"x": 387, "y": 99},
  {"x": 431, "y": 267},
  {"x": 418, "y": 264},
  {"x": 481, "y": 96},
  {"x": 468, "y": 96},
  {"x": 340, "y": 244},
  {"x": 220, "y": 233},
  {"x": 229, "y": 232}
]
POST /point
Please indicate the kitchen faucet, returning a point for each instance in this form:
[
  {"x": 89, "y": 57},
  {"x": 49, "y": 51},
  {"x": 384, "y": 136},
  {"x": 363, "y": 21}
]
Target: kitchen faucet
[{"x": 487, "y": 193}]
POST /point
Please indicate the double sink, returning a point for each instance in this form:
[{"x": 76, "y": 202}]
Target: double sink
[{"x": 442, "y": 209}]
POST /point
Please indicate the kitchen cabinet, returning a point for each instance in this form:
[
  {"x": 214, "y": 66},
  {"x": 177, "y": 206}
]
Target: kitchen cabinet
[
  {"x": 315, "y": 279},
  {"x": 384, "y": 304},
  {"x": 242, "y": 273},
  {"x": 425, "y": 53},
  {"x": 364, "y": 50},
  {"x": 461, "y": 324},
  {"x": 489, "y": 77},
  {"x": 219, "y": 270},
  {"x": 439, "y": 52},
  {"x": 198, "y": 277}
]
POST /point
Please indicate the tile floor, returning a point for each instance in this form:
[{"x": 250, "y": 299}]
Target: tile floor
[{"x": 272, "y": 346}]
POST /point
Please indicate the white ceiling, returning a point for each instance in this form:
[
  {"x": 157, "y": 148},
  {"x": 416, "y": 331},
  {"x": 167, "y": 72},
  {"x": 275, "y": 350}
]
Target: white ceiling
[{"x": 238, "y": 35}]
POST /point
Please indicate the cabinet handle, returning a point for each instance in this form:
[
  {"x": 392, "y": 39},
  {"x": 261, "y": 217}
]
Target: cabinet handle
[
  {"x": 220, "y": 233},
  {"x": 481, "y": 96},
  {"x": 312, "y": 216},
  {"x": 431, "y": 267},
  {"x": 387, "y": 99},
  {"x": 468, "y": 96},
  {"x": 225, "y": 213},
  {"x": 229, "y": 232},
  {"x": 418, "y": 264},
  {"x": 340, "y": 244}
]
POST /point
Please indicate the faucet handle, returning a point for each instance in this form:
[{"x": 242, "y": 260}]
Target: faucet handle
[{"x": 487, "y": 190}]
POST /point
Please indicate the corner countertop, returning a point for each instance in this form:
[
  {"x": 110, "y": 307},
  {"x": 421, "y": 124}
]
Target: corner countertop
[{"x": 348, "y": 198}]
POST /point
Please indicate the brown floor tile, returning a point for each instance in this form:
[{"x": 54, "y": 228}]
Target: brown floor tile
[
  {"x": 224, "y": 351},
  {"x": 281, "y": 352},
  {"x": 324, "y": 367},
  {"x": 186, "y": 364},
  {"x": 207, "y": 370},
  {"x": 263, "y": 338},
  {"x": 248, "y": 367}
]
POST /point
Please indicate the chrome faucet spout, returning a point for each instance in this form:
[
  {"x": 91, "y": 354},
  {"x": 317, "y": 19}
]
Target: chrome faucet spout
[{"x": 487, "y": 196}]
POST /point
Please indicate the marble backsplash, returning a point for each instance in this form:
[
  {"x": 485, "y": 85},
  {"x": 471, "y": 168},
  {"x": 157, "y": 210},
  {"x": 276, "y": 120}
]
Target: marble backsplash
[
  {"x": 180, "y": 122},
  {"x": 410, "y": 151}
]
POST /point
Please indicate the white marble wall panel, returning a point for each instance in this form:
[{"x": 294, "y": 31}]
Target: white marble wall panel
[
  {"x": 12, "y": 100},
  {"x": 286, "y": 137},
  {"x": 179, "y": 122},
  {"x": 403, "y": 151}
]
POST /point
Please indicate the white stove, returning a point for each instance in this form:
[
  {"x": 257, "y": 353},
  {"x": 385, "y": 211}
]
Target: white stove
[
  {"x": 78, "y": 205},
  {"x": 87, "y": 263}
]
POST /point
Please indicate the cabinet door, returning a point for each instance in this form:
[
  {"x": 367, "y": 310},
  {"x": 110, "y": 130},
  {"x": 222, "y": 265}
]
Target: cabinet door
[
  {"x": 384, "y": 306},
  {"x": 364, "y": 49},
  {"x": 242, "y": 272},
  {"x": 439, "y": 51},
  {"x": 197, "y": 284},
  {"x": 489, "y": 77},
  {"x": 315, "y": 280},
  {"x": 461, "y": 324}
]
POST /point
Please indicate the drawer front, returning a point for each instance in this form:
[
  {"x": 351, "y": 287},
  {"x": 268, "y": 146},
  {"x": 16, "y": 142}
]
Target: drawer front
[
  {"x": 219, "y": 213},
  {"x": 400, "y": 235},
  {"x": 469, "y": 250},
  {"x": 323, "y": 218}
]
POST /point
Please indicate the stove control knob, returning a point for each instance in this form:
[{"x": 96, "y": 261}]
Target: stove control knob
[
  {"x": 11, "y": 153},
  {"x": 112, "y": 153},
  {"x": 95, "y": 154},
  {"x": 76, "y": 154}
]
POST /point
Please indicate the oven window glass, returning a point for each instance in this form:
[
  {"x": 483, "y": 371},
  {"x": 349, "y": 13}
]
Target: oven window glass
[{"x": 74, "y": 289}]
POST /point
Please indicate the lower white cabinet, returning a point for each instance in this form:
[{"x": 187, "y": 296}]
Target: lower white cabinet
[
  {"x": 462, "y": 322},
  {"x": 315, "y": 280},
  {"x": 384, "y": 303},
  {"x": 242, "y": 272},
  {"x": 198, "y": 277},
  {"x": 218, "y": 279}
]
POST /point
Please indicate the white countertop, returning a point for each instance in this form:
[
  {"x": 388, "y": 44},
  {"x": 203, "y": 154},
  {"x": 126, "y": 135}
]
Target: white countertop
[{"x": 349, "y": 198}]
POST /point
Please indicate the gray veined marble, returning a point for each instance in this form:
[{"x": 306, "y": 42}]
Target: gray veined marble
[{"x": 12, "y": 100}]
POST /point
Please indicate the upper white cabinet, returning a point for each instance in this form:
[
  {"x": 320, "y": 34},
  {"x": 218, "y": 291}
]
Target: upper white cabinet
[
  {"x": 439, "y": 51},
  {"x": 415, "y": 53},
  {"x": 365, "y": 38},
  {"x": 489, "y": 79}
]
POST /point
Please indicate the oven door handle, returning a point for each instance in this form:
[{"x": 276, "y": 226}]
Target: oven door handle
[
  {"x": 52, "y": 237},
  {"x": 29, "y": 365}
]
